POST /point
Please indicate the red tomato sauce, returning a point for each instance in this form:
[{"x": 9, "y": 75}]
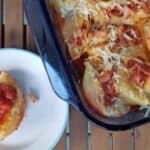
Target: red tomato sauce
[
  {"x": 108, "y": 87},
  {"x": 8, "y": 95},
  {"x": 140, "y": 70}
]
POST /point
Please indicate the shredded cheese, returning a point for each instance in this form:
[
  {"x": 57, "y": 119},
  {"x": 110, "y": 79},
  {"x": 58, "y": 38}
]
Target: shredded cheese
[
  {"x": 126, "y": 51},
  {"x": 109, "y": 59},
  {"x": 81, "y": 9},
  {"x": 102, "y": 5}
]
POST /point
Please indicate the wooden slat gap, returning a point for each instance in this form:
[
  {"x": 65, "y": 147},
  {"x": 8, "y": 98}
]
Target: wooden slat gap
[
  {"x": 133, "y": 139},
  {"x": 24, "y": 36},
  {"x": 2, "y": 35},
  {"x": 111, "y": 141}
]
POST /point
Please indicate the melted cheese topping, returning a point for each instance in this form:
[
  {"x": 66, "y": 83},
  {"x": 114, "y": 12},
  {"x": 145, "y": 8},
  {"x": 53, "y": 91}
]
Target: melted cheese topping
[{"x": 111, "y": 33}]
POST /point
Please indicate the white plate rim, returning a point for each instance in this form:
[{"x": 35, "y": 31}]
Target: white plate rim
[{"x": 29, "y": 52}]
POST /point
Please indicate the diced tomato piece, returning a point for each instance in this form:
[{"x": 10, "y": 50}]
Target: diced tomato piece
[
  {"x": 130, "y": 34},
  {"x": 116, "y": 12},
  {"x": 118, "y": 44},
  {"x": 131, "y": 63},
  {"x": 135, "y": 62},
  {"x": 140, "y": 70},
  {"x": 132, "y": 5},
  {"x": 8, "y": 93},
  {"x": 109, "y": 88},
  {"x": 146, "y": 69},
  {"x": 138, "y": 77}
]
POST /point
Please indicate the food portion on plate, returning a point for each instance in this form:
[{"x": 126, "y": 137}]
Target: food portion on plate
[
  {"x": 109, "y": 44},
  {"x": 12, "y": 105}
]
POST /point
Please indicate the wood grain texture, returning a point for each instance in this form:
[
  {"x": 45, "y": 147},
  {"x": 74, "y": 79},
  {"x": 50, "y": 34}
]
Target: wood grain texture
[
  {"x": 122, "y": 140},
  {"x": 142, "y": 138},
  {"x": 100, "y": 138},
  {"x": 14, "y": 23},
  {"x": 78, "y": 131},
  {"x": 62, "y": 143}
]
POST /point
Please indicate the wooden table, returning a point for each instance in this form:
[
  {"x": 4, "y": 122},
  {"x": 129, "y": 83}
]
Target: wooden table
[{"x": 80, "y": 133}]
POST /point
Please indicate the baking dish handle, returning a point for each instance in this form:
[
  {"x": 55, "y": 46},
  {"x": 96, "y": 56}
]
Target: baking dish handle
[{"x": 48, "y": 51}]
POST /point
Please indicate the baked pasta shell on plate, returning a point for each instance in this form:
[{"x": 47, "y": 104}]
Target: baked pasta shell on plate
[{"x": 12, "y": 105}]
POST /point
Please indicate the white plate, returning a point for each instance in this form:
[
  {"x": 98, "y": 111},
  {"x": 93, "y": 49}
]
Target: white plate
[{"x": 45, "y": 121}]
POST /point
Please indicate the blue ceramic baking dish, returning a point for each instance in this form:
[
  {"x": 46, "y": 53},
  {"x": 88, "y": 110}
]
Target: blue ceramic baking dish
[{"x": 61, "y": 73}]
